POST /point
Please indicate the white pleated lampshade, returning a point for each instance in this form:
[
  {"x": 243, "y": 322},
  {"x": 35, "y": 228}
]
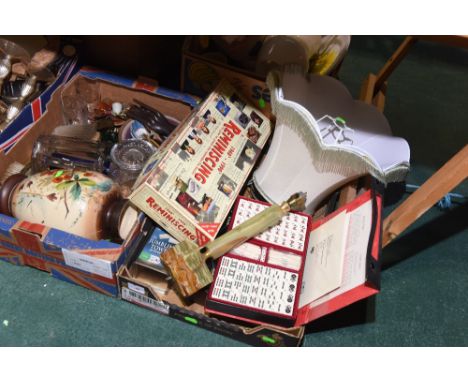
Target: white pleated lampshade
[{"x": 324, "y": 138}]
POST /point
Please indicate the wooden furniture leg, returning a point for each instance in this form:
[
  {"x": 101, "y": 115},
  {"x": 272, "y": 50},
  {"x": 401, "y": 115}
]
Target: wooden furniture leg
[
  {"x": 392, "y": 63},
  {"x": 373, "y": 91},
  {"x": 374, "y": 87},
  {"x": 443, "y": 181},
  {"x": 367, "y": 89},
  {"x": 379, "y": 101},
  {"x": 348, "y": 193}
]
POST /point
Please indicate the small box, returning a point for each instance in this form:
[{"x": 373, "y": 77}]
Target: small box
[
  {"x": 92, "y": 264},
  {"x": 190, "y": 185}
]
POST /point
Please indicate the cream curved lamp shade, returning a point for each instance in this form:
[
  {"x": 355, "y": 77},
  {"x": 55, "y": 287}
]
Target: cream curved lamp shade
[{"x": 324, "y": 138}]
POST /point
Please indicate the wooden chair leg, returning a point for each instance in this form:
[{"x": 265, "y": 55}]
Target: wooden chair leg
[
  {"x": 443, "y": 181},
  {"x": 367, "y": 89},
  {"x": 393, "y": 62},
  {"x": 379, "y": 101}
]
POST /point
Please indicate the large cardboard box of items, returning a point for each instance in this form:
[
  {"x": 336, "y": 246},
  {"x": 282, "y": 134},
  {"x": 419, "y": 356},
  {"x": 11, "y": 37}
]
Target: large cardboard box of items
[
  {"x": 92, "y": 264},
  {"x": 65, "y": 66},
  {"x": 189, "y": 186},
  {"x": 358, "y": 275},
  {"x": 202, "y": 71}
]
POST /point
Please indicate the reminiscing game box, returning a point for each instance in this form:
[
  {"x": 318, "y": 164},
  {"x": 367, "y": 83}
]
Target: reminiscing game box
[{"x": 190, "y": 185}]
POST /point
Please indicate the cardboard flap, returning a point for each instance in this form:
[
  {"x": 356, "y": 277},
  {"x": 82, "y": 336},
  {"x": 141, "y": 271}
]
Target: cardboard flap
[
  {"x": 360, "y": 271},
  {"x": 29, "y": 235},
  {"x": 142, "y": 83}
]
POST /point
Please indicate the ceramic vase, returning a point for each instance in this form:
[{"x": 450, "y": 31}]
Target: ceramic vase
[{"x": 84, "y": 203}]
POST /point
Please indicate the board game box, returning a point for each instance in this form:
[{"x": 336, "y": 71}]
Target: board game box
[
  {"x": 189, "y": 186},
  {"x": 300, "y": 269}
]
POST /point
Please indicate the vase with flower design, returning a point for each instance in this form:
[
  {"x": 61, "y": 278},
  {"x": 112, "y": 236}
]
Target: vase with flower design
[{"x": 85, "y": 203}]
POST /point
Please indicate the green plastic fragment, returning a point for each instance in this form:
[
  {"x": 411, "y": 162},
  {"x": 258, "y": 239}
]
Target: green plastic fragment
[
  {"x": 261, "y": 103},
  {"x": 58, "y": 173},
  {"x": 339, "y": 119},
  {"x": 268, "y": 340},
  {"x": 191, "y": 320}
]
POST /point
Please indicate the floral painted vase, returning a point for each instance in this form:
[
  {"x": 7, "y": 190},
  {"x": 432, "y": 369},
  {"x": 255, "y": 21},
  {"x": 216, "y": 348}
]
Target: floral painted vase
[{"x": 85, "y": 203}]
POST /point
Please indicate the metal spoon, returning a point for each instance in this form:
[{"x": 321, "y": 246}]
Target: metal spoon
[
  {"x": 10, "y": 52},
  {"x": 28, "y": 88}
]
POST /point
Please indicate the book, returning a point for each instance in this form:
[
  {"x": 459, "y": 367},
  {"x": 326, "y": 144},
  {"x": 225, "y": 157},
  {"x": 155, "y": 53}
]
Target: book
[{"x": 158, "y": 242}]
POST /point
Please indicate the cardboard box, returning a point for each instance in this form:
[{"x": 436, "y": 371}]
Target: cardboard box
[
  {"x": 203, "y": 67},
  {"x": 189, "y": 186},
  {"x": 202, "y": 72},
  {"x": 16, "y": 129},
  {"x": 92, "y": 264},
  {"x": 148, "y": 288}
]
